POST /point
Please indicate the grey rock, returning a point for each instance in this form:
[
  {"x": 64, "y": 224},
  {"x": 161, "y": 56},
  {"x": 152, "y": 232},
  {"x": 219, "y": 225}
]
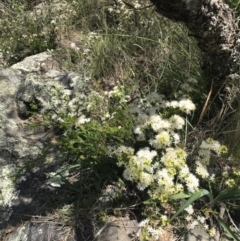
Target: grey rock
[
  {"x": 34, "y": 85},
  {"x": 121, "y": 229},
  {"x": 41, "y": 231},
  {"x": 198, "y": 234},
  {"x": 15, "y": 141},
  {"x": 20, "y": 85},
  {"x": 13, "y": 76},
  {"x": 31, "y": 92},
  {"x": 32, "y": 63}
]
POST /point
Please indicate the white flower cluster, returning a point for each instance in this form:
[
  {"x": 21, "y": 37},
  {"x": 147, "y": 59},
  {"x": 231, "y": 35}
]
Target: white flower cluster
[
  {"x": 63, "y": 105},
  {"x": 126, "y": 11},
  {"x": 204, "y": 155},
  {"x": 151, "y": 231},
  {"x": 81, "y": 105},
  {"x": 185, "y": 105},
  {"x": 149, "y": 117},
  {"x": 197, "y": 220},
  {"x": 161, "y": 165},
  {"x": 187, "y": 87},
  {"x": 55, "y": 179},
  {"x": 119, "y": 92}
]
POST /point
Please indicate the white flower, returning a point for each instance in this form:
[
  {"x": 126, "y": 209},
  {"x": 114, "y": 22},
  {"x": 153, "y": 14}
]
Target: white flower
[
  {"x": 193, "y": 224},
  {"x": 212, "y": 177},
  {"x": 161, "y": 140},
  {"x": 184, "y": 172},
  {"x": 74, "y": 46},
  {"x": 154, "y": 232},
  {"x": 188, "y": 218},
  {"x": 143, "y": 223},
  {"x": 158, "y": 124},
  {"x": 82, "y": 119},
  {"x": 176, "y": 138},
  {"x": 174, "y": 104},
  {"x": 205, "y": 226},
  {"x": 137, "y": 5},
  {"x": 66, "y": 92},
  {"x": 164, "y": 218},
  {"x": 126, "y": 150},
  {"x": 138, "y": 130},
  {"x": 186, "y": 106},
  {"x": 60, "y": 119},
  {"x": 154, "y": 97},
  {"x": 128, "y": 174},
  {"x": 110, "y": 10},
  {"x": 54, "y": 117},
  {"x": 212, "y": 232},
  {"x": 204, "y": 153},
  {"x": 145, "y": 153},
  {"x": 201, "y": 170},
  {"x": 145, "y": 179},
  {"x": 201, "y": 219},
  {"x": 163, "y": 178},
  {"x": 140, "y": 186},
  {"x": 155, "y": 122},
  {"x": 177, "y": 122},
  {"x": 189, "y": 209},
  {"x": 192, "y": 183}
]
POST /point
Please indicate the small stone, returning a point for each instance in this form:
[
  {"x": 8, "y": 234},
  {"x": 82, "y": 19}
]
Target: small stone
[{"x": 198, "y": 234}]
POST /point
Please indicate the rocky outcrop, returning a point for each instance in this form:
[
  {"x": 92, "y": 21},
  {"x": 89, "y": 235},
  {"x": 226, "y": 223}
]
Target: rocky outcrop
[
  {"x": 45, "y": 230},
  {"x": 198, "y": 234},
  {"x": 24, "y": 90},
  {"x": 121, "y": 229},
  {"x": 21, "y": 86}
]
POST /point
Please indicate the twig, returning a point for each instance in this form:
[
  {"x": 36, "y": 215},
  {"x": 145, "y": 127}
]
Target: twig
[
  {"x": 101, "y": 230},
  {"x": 205, "y": 105}
]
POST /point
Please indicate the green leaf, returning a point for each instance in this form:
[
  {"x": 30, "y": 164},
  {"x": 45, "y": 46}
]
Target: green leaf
[
  {"x": 227, "y": 194},
  {"x": 148, "y": 202},
  {"x": 180, "y": 195},
  {"x": 227, "y": 229},
  {"x": 195, "y": 196}
]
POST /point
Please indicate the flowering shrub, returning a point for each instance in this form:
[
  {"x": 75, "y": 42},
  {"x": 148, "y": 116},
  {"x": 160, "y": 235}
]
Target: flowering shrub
[
  {"x": 94, "y": 128},
  {"x": 157, "y": 168},
  {"x": 162, "y": 167},
  {"x": 160, "y": 161},
  {"x": 82, "y": 116}
]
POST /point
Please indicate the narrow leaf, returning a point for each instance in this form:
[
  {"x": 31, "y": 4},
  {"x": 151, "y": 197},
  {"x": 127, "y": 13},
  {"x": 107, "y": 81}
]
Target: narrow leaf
[
  {"x": 227, "y": 194},
  {"x": 180, "y": 195},
  {"x": 227, "y": 229},
  {"x": 148, "y": 202},
  {"x": 195, "y": 196}
]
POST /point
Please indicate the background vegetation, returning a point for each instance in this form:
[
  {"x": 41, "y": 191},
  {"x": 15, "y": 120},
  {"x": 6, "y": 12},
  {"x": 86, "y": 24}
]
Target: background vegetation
[{"x": 128, "y": 51}]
